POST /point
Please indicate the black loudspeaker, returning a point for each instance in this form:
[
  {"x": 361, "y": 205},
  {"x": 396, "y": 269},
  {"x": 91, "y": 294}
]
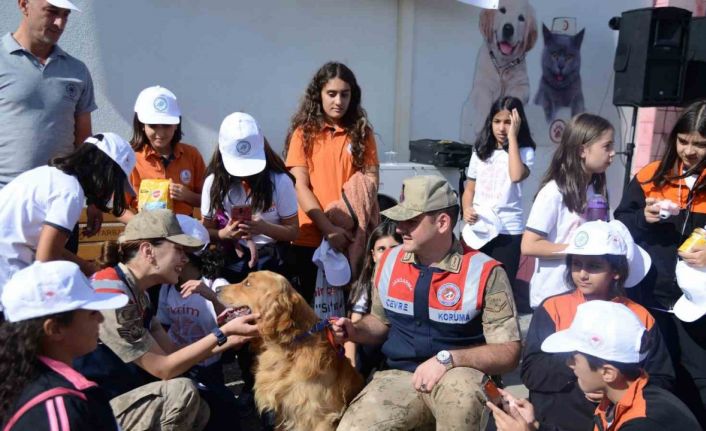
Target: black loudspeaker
[
  {"x": 695, "y": 81},
  {"x": 650, "y": 60}
]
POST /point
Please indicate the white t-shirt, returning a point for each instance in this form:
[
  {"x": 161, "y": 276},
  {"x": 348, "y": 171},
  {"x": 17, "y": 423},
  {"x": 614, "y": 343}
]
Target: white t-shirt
[
  {"x": 189, "y": 319},
  {"x": 284, "y": 202},
  {"x": 551, "y": 219},
  {"x": 43, "y": 195},
  {"x": 495, "y": 190}
]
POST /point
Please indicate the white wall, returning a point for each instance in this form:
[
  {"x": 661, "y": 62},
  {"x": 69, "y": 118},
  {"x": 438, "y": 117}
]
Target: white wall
[
  {"x": 447, "y": 39},
  {"x": 226, "y": 55}
]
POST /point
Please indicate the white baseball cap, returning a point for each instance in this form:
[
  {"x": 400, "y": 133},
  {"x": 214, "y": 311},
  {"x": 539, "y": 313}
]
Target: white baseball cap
[
  {"x": 604, "y": 329},
  {"x": 334, "y": 264},
  {"x": 481, "y": 232},
  {"x": 45, "y": 288},
  {"x": 119, "y": 150},
  {"x": 692, "y": 282},
  {"x": 242, "y": 145},
  {"x": 64, "y": 4},
  {"x": 595, "y": 238},
  {"x": 157, "y": 105},
  {"x": 194, "y": 228}
]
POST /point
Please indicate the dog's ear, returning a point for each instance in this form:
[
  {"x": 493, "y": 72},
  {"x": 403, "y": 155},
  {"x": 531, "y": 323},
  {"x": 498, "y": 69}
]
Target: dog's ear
[
  {"x": 530, "y": 29},
  {"x": 485, "y": 23},
  {"x": 285, "y": 312}
]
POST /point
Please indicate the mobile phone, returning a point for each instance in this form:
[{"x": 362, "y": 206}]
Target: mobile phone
[
  {"x": 491, "y": 392},
  {"x": 241, "y": 213}
]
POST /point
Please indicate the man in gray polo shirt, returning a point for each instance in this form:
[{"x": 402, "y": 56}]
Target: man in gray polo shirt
[{"x": 46, "y": 95}]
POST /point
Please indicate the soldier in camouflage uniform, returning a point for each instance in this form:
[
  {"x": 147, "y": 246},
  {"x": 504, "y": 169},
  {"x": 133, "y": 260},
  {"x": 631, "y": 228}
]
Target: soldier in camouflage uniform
[
  {"x": 445, "y": 319},
  {"x": 136, "y": 350}
]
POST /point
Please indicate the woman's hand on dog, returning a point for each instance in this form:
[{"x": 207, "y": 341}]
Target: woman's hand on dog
[
  {"x": 427, "y": 375},
  {"x": 243, "y": 326}
]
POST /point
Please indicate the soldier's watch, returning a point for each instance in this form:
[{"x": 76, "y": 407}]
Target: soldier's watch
[
  {"x": 444, "y": 357},
  {"x": 221, "y": 338}
]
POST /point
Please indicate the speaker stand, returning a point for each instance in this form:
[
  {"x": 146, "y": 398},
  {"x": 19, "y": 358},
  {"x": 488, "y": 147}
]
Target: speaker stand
[{"x": 630, "y": 147}]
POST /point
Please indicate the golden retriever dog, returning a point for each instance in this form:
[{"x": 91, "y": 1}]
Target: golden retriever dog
[
  {"x": 509, "y": 32},
  {"x": 298, "y": 376}
]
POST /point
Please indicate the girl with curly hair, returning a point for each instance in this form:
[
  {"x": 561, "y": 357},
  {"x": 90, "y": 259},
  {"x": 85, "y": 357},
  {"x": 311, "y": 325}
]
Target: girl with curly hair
[
  {"x": 52, "y": 317},
  {"x": 328, "y": 141}
]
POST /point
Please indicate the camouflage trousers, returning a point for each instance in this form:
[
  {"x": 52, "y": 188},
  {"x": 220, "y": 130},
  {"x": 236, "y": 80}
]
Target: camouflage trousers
[
  {"x": 390, "y": 402},
  {"x": 170, "y": 405}
]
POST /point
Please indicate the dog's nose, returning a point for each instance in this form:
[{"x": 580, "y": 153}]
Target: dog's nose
[{"x": 508, "y": 31}]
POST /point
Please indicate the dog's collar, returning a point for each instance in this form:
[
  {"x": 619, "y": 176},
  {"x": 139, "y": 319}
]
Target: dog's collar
[
  {"x": 504, "y": 67},
  {"x": 323, "y": 325}
]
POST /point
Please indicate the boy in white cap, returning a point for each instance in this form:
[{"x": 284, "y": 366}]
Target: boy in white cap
[
  {"x": 608, "y": 344},
  {"x": 52, "y": 317},
  {"x": 601, "y": 259}
]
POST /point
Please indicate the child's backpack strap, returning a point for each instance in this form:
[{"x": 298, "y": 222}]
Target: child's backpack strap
[{"x": 46, "y": 395}]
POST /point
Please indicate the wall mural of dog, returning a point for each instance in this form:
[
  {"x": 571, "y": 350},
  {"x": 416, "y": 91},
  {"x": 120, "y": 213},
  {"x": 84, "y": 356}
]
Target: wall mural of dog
[
  {"x": 560, "y": 84},
  {"x": 299, "y": 375},
  {"x": 509, "y": 32}
]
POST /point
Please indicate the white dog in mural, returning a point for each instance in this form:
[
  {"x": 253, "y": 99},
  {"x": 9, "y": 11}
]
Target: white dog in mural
[{"x": 509, "y": 32}]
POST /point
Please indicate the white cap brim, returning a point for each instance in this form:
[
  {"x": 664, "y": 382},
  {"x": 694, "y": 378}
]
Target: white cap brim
[
  {"x": 157, "y": 118},
  {"x": 687, "y": 311},
  {"x": 639, "y": 266},
  {"x": 334, "y": 264},
  {"x": 241, "y": 167},
  {"x": 484, "y": 230},
  {"x": 561, "y": 342},
  {"x": 476, "y": 239},
  {"x": 64, "y": 4},
  {"x": 105, "y": 301}
]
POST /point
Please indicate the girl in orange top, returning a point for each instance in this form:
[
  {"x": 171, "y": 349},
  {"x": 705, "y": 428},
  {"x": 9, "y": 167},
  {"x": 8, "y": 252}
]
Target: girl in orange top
[
  {"x": 328, "y": 141},
  {"x": 160, "y": 154}
]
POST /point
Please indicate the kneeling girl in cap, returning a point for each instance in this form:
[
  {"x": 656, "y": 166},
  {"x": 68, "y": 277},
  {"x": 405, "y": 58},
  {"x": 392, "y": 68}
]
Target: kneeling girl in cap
[
  {"x": 136, "y": 350},
  {"x": 52, "y": 318},
  {"x": 601, "y": 260}
]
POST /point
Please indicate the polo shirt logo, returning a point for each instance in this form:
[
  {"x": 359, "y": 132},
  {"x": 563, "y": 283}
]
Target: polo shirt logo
[
  {"x": 243, "y": 147},
  {"x": 185, "y": 176},
  {"x": 448, "y": 294},
  {"x": 160, "y": 104},
  {"x": 71, "y": 91}
]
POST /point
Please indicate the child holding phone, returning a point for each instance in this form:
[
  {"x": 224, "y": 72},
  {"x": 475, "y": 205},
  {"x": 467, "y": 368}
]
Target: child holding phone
[{"x": 248, "y": 200}]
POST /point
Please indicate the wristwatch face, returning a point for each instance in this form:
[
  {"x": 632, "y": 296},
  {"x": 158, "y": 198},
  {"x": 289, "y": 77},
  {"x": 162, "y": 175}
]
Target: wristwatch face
[{"x": 444, "y": 357}]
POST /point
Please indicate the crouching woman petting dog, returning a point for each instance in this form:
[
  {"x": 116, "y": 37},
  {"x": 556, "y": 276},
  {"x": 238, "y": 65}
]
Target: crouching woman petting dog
[
  {"x": 445, "y": 319},
  {"x": 138, "y": 364}
]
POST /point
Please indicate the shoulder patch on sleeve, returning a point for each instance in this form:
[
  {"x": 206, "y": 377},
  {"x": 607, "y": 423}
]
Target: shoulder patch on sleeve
[
  {"x": 498, "y": 303},
  {"x": 130, "y": 325}
]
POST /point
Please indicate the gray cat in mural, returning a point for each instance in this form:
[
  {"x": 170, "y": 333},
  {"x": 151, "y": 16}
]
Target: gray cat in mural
[{"x": 560, "y": 85}]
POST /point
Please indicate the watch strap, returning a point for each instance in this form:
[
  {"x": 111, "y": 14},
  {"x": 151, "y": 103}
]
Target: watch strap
[{"x": 221, "y": 338}]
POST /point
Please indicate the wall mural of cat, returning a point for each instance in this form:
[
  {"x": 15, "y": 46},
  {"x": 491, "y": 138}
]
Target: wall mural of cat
[{"x": 560, "y": 84}]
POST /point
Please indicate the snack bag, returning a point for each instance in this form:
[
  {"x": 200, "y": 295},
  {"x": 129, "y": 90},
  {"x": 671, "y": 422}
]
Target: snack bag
[{"x": 154, "y": 194}]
